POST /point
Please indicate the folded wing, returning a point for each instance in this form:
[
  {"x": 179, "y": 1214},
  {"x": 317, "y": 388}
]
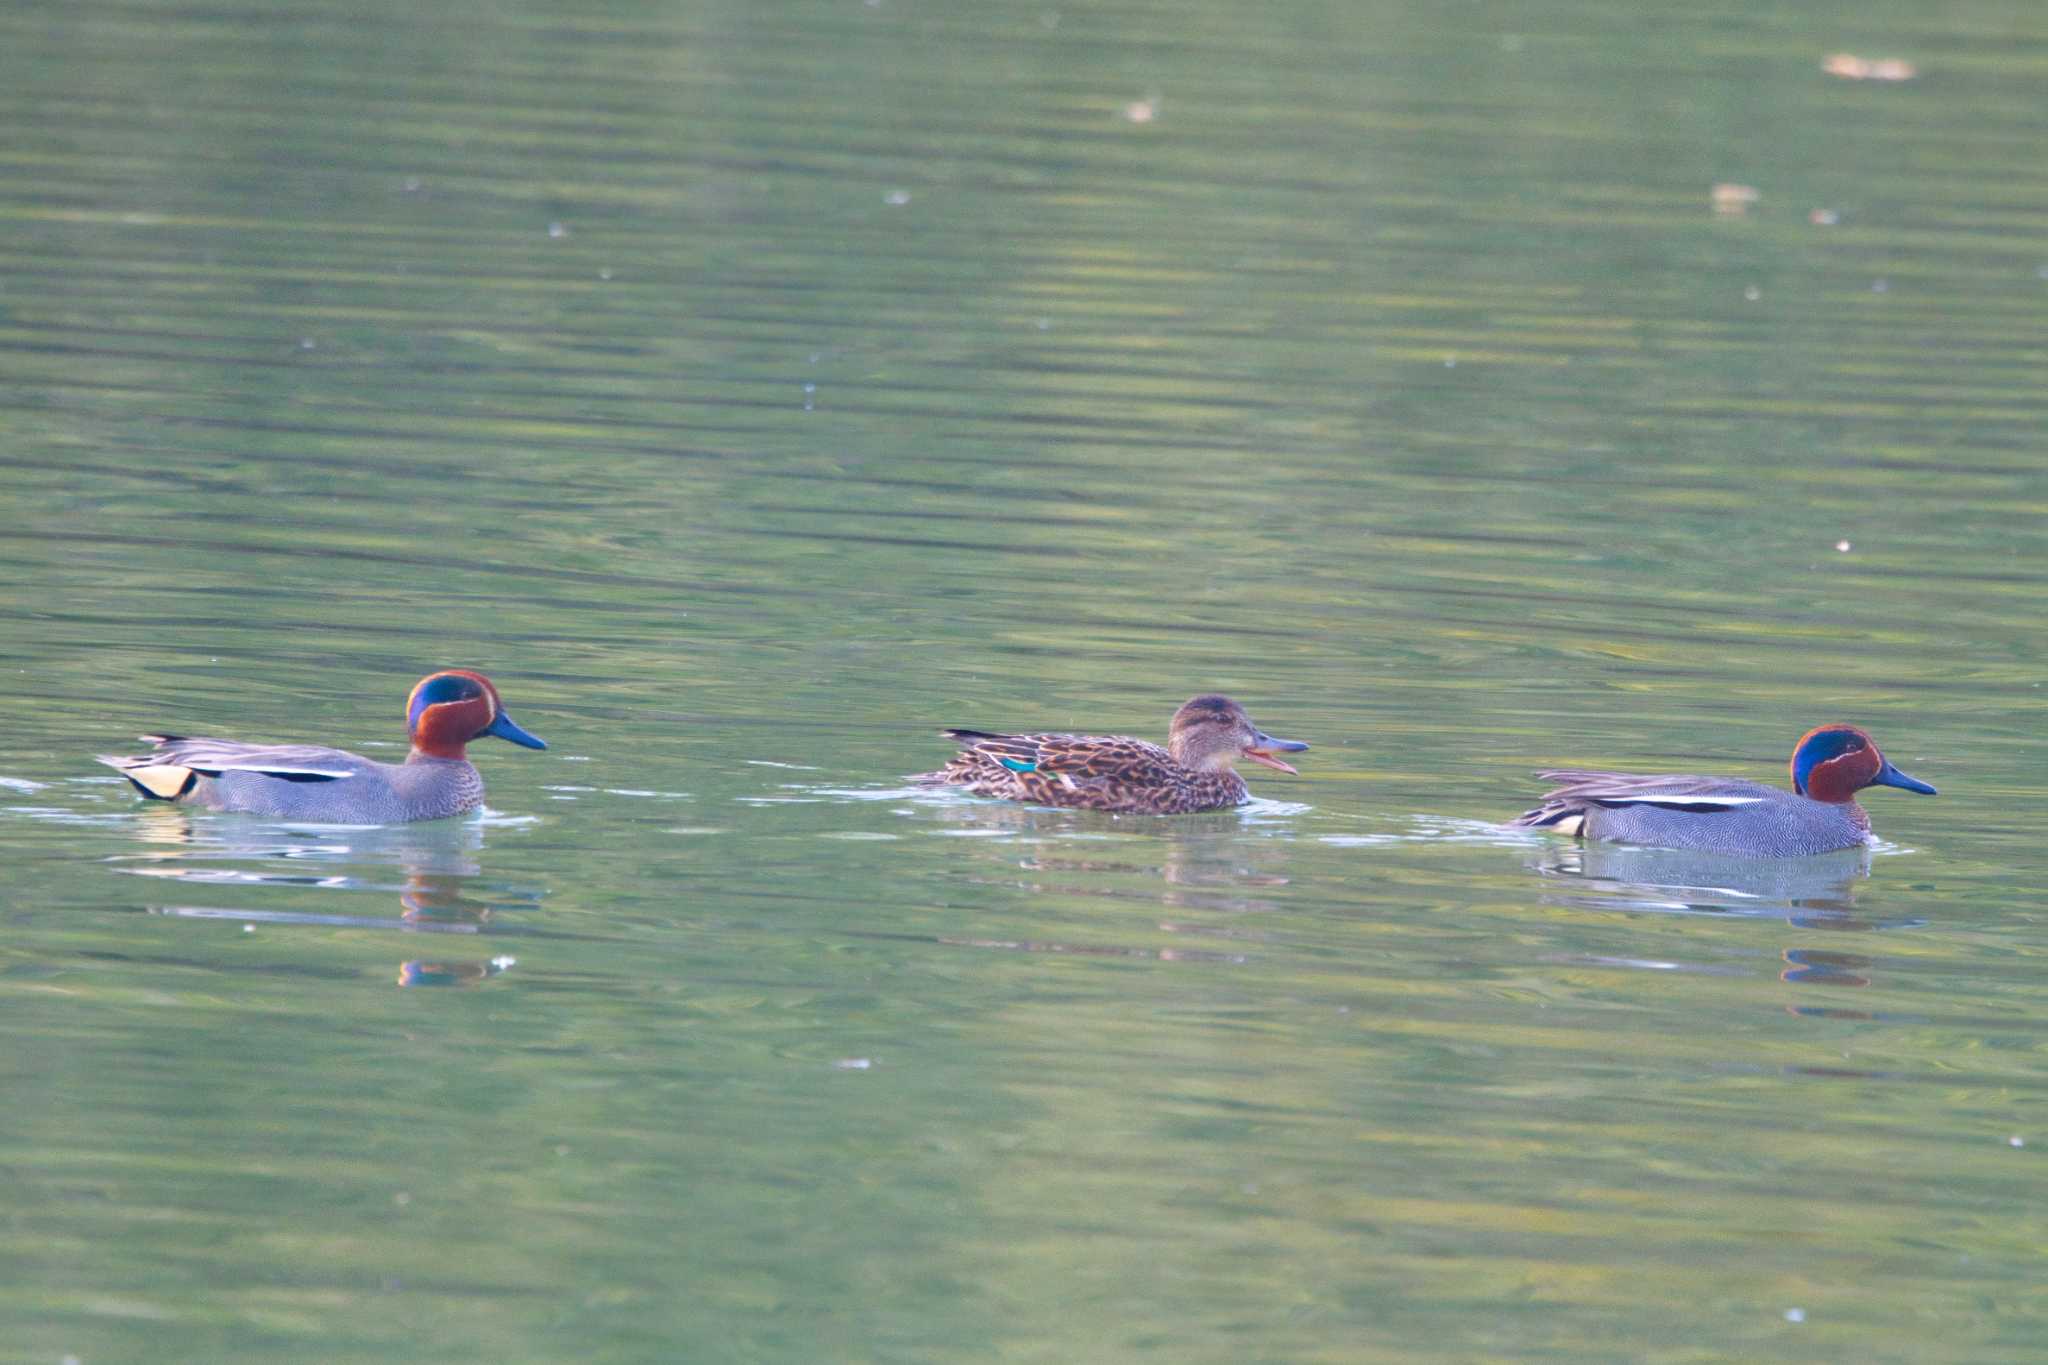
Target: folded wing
[
  {"x": 1564, "y": 807},
  {"x": 170, "y": 771}
]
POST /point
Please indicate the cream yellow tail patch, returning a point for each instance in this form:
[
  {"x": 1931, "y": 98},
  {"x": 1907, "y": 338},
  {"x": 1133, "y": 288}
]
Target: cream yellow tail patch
[{"x": 164, "y": 781}]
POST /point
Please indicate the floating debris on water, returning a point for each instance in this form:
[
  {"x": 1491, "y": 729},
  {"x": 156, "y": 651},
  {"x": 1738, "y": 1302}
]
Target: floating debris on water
[
  {"x": 1853, "y": 68},
  {"x": 1731, "y": 200}
]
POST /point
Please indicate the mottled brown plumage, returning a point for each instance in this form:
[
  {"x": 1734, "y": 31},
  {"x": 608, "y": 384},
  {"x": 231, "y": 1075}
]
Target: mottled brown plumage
[{"x": 1115, "y": 772}]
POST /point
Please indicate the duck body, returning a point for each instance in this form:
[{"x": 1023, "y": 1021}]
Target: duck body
[
  {"x": 1728, "y": 815},
  {"x": 307, "y": 782},
  {"x": 1706, "y": 815},
  {"x": 1116, "y": 772},
  {"x": 319, "y": 784},
  {"x": 1088, "y": 772}
]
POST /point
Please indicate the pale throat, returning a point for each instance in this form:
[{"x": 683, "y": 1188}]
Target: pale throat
[{"x": 1195, "y": 758}]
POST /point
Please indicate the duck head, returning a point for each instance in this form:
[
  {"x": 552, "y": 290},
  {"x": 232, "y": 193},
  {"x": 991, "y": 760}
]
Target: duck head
[
  {"x": 447, "y": 710},
  {"x": 1211, "y": 733},
  {"x": 1835, "y": 762}
]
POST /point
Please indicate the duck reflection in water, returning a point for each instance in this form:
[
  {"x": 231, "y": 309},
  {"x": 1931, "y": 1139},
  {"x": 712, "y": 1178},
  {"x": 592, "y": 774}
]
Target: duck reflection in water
[
  {"x": 417, "y": 973},
  {"x": 432, "y": 868},
  {"x": 1207, "y": 865},
  {"x": 1817, "y": 892}
]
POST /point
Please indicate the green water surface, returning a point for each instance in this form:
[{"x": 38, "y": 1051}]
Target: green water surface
[{"x": 752, "y": 389}]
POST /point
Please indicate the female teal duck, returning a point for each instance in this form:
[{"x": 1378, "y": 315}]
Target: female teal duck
[
  {"x": 306, "y": 782},
  {"x": 1116, "y": 773},
  {"x": 1724, "y": 815}
]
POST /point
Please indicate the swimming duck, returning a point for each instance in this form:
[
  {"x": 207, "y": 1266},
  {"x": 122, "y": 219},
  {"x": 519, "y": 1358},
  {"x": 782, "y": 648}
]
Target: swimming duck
[
  {"x": 1116, "y": 773},
  {"x": 1725, "y": 815},
  {"x": 307, "y": 782}
]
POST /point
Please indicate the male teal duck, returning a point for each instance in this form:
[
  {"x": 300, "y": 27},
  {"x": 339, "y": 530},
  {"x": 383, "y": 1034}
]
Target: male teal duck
[
  {"x": 1725, "y": 815},
  {"x": 1116, "y": 773},
  {"x": 307, "y": 782}
]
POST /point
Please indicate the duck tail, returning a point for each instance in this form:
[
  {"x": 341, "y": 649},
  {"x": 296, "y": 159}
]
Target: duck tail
[
  {"x": 156, "y": 781},
  {"x": 1566, "y": 819}
]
